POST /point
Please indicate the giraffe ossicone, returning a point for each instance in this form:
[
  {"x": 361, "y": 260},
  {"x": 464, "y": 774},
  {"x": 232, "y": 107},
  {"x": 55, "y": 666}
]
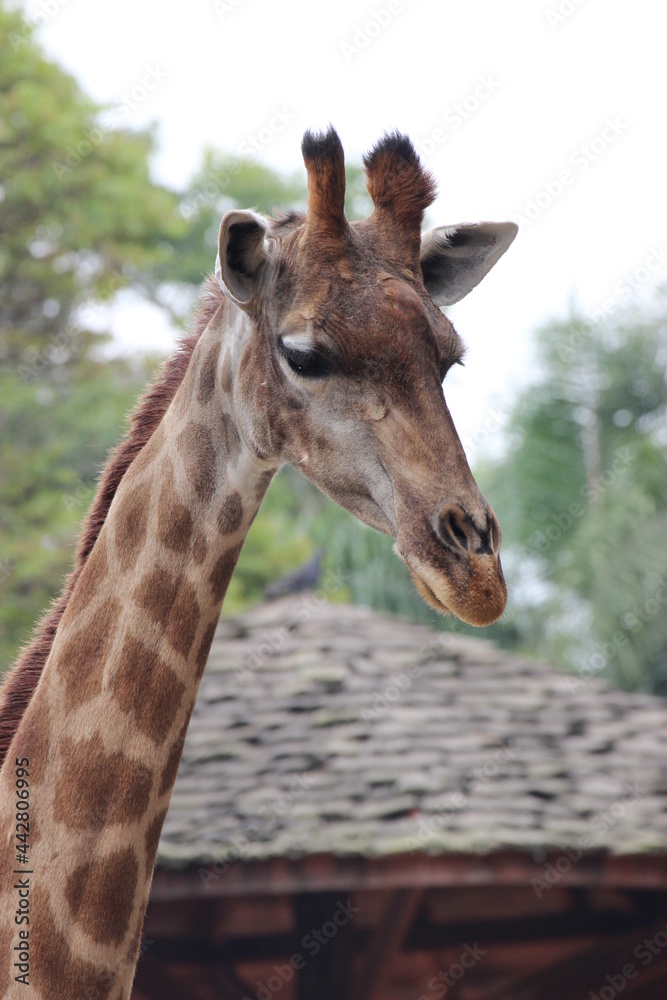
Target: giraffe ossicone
[{"x": 321, "y": 344}]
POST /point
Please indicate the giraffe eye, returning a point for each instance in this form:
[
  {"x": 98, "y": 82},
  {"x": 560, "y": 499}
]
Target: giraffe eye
[{"x": 308, "y": 363}]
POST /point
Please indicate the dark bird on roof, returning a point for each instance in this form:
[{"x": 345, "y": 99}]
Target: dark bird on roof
[{"x": 303, "y": 578}]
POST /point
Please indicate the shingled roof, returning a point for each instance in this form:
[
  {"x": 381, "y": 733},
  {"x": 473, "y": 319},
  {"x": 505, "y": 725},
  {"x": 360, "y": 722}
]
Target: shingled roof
[{"x": 328, "y": 728}]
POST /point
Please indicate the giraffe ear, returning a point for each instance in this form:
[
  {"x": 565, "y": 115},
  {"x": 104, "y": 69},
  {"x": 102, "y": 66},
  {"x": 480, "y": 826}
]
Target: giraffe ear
[
  {"x": 241, "y": 255},
  {"x": 455, "y": 258}
]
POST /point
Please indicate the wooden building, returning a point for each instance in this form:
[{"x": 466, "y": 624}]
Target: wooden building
[{"x": 370, "y": 810}]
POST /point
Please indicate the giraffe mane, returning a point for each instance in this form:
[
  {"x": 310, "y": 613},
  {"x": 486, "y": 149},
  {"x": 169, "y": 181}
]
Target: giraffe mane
[{"x": 22, "y": 679}]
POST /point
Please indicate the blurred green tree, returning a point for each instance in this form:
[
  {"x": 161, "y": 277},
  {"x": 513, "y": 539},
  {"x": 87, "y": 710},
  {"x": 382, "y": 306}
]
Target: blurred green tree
[
  {"x": 79, "y": 216},
  {"x": 79, "y": 219},
  {"x": 53, "y": 439},
  {"x": 581, "y": 494}
]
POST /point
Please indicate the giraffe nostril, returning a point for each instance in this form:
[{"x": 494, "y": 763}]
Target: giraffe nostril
[
  {"x": 451, "y": 530},
  {"x": 459, "y": 534}
]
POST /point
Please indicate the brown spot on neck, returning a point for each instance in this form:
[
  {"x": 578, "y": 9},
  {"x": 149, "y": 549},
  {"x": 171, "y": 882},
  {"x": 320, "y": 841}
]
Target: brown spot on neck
[
  {"x": 81, "y": 659},
  {"x": 200, "y": 548},
  {"x": 92, "y": 576},
  {"x": 183, "y": 619},
  {"x": 231, "y": 514},
  {"x": 54, "y": 963},
  {"x": 95, "y": 788},
  {"x": 232, "y": 441},
  {"x": 174, "y": 523},
  {"x": 205, "y": 647},
  {"x": 101, "y": 894},
  {"x": 130, "y": 524},
  {"x": 222, "y": 572},
  {"x": 142, "y": 670},
  {"x": 32, "y": 738},
  {"x": 195, "y": 445},
  {"x": 156, "y": 592},
  {"x": 263, "y": 483},
  {"x": 207, "y": 375},
  {"x": 173, "y": 760}
]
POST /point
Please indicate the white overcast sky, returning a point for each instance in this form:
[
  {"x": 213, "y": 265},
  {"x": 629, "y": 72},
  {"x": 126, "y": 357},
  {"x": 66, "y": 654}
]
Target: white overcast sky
[{"x": 545, "y": 87}]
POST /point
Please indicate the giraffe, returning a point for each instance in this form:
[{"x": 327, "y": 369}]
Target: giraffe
[{"x": 320, "y": 344}]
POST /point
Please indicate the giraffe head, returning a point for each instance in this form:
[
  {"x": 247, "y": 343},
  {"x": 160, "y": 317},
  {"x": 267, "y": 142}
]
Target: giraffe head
[{"x": 338, "y": 355}]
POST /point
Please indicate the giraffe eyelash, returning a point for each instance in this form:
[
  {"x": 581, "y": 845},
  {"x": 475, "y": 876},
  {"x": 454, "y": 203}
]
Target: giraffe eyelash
[{"x": 306, "y": 363}]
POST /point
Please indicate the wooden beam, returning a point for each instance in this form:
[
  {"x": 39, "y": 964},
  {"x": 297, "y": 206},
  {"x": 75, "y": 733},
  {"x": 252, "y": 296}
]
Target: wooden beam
[
  {"x": 329, "y": 873},
  {"x": 558, "y": 926},
  {"x": 158, "y": 980},
  {"x": 213, "y": 982},
  {"x": 385, "y": 943},
  {"x": 590, "y": 970},
  {"x": 423, "y": 934},
  {"x": 227, "y": 983},
  {"x": 155, "y": 982},
  {"x": 325, "y": 930}
]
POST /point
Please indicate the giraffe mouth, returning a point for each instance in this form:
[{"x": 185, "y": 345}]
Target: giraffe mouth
[
  {"x": 429, "y": 596},
  {"x": 424, "y": 589},
  {"x": 479, "y": 598}
]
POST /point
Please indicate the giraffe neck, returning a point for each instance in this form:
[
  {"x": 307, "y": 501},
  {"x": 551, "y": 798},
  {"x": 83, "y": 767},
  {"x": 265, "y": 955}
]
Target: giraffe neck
[{"x": 104, "y": 731}]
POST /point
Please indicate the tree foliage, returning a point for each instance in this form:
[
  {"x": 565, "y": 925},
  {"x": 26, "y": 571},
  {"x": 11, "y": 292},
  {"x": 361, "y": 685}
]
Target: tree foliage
[
  {"x": 79, "y": 215},
  {"x": 581, "y": 495},
  {"x": 79, "y": 219}
]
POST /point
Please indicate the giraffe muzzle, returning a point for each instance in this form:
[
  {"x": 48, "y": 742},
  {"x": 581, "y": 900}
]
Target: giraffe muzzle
[{"x": 455, "y": 563}]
